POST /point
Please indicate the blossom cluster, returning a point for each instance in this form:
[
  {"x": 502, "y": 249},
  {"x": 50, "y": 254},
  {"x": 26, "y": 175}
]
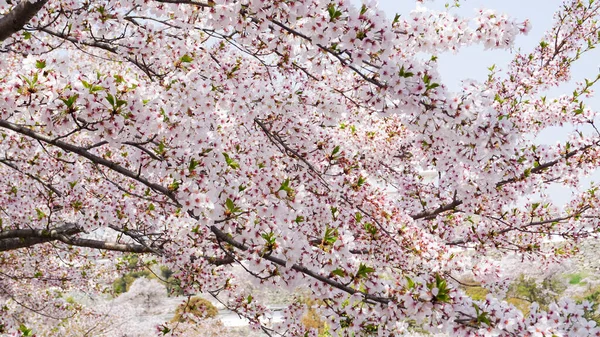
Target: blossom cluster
[{"x": 289, "y": 138}]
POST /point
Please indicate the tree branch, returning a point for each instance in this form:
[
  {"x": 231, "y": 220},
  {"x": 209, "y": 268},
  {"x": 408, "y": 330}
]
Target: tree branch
[
  {"x": 18, "y": 17},
  {"x": 104, "y": 245},
  {"x": 86, "y": 154},
  {"x": 208, "y": 4},
  {"x": 21, "y": 238},
  {"x": 540, "y": 168},
  {"x": 46, "y": 185},
  {"x": 222, "y": 236},
  {"x": 428, "y": 215}
]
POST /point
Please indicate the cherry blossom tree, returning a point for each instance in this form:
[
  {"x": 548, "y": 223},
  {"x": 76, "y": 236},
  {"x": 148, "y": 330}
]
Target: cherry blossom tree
[{"x": 288, "y": 138}]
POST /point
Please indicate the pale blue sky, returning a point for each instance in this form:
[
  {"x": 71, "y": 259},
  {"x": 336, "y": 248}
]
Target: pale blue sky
[{"x": 472, "y": 62}]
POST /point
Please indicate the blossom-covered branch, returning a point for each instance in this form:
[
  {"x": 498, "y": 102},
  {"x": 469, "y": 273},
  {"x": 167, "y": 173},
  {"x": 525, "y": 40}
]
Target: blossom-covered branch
[{"x": 18, "y": 17}]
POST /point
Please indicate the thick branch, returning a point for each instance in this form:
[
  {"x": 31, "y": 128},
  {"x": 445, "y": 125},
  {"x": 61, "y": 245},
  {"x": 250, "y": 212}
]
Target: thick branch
[
  {"x": 221, "y": 236},
  {"x": 540, "y": 168},
  {"x": 104, "y": 245},
  {"x": 208, "y": 4},
  {"x": 46, "y": 185},
  {"x": 112, "y": 48},
  {"x": 18, "y": 243},
  {"x": 18, "y": 17},
  {"x": 428, "y": 215},
  {"x": 68, "y": 229},
  {"x": 86, "y": 154},
  {"x": 21, "y": 238},
  {"x": 523, "y": 228}
]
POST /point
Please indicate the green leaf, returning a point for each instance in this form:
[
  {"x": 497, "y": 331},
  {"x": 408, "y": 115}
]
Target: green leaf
[
  {"x": 396, "y": 18},
  {"x": 25, "y": 331},
  {"x": 186, "y": 58},
  {"x": 440, "y": 282},
  {"x": 481, "y": 316},
  {"x": 161, "y": 149},
  {"x": 173, "y": 186},
  {"x": 338, "y": 272},
  {"x": 229, "y": 205},
  {"x": 91, "y": 87},
  {"x": 579, "y": 110},
  {"x": 230, "y": 162},
  {"x": 119, "y": 78},
  {"x": 404, "y": 73},
  {"x": 363, "y": 9},
  {"x": 433, "y": 86},
  {"x": 334, "y": 212},
  {"x": 193, "y": 164},
  {"x": 299, "y": 219},
  {"x": 369, "y": 228},
  {"x": 26, "y": 35},
  {"x": 40, "y": 64},
  {"x": 331, "y": 10},
  {"x": 335, "y": 151},
  {"x": 269, "y": 237},
  {"x": 40, "y": 214},
  {"x": 31, "y": 82},
  {"x": 592, "y": 191},
  {"x": 70, "y": 101},
  {"x": 231, "y": 208},
  {"x": 285, "y": 186},
  {"x": 111, "y": 99},
  {"x": 330, "y": 236},
  {"x": 410, "y": 282},
  {"x": 77, "y": 205},
  {"x": 363, "y": 271},
  {"x": 164, "y": 114},
  {"x": 249, "y": 299},
  {"x": 233, "y": 70},
  {"x": 165, "y": 330},
  {"x": 443, "y": 294}
]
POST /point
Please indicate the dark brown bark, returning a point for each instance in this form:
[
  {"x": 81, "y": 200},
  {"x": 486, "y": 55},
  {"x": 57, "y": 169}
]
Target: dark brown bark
[
  {"x": 86, "y": 154},
  {"x": 18, "y": 17},
  {"x": 21, "y": 238}
]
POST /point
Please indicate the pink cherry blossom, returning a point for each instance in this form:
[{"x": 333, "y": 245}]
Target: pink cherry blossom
[{"x": 307, "y": 143}]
